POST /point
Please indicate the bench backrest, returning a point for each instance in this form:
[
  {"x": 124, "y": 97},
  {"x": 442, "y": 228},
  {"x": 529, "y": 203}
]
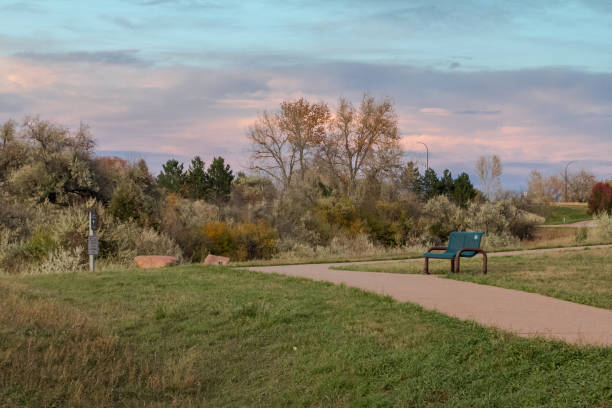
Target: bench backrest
[{"x": 460, "y": 240}]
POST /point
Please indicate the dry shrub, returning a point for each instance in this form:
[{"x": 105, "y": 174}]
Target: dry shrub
[
  {"x": 60, "y": 261},
  {"x": 603, "y": 229},
  {"x": 241, "y": 241},
  {"x": 58, "y": 238},
  {"x": 53, "y": 355}
]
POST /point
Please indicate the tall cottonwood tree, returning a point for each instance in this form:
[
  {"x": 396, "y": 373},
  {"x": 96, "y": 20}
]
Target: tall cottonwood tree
[
  {"x": 284, "y": 142},
  {"x": 304, "y": 124},
  {"x": 489, "y": 171},
  {"x": 361, "y": 140}
]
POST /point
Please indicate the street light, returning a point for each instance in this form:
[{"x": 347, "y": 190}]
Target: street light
[
  {"x": 566, "y": 166},
  {"x": 427, "y": 149}
]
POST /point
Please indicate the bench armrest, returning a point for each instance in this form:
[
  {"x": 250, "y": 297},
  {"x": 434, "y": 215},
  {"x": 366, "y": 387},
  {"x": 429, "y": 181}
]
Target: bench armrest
[{"x": 437, "y": 248}]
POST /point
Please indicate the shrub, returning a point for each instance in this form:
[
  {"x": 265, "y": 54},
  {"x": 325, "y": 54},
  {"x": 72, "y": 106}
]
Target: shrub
[
  {"x": 241, "y": 241},
  {"x": 442, "y": 217},
  {"x": 60, "y": 261},
  {"x": 604, "y": 226},
  {"x": 601, "y": 199}
]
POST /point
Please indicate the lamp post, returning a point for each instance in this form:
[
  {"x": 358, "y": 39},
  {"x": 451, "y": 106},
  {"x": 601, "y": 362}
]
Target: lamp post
[
  {"x": 427, "y": 149},
  {"x": 566, "y": 166}
]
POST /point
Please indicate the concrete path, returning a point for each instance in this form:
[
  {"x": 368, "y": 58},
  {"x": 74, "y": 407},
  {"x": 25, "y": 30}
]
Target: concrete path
[{"x": 526, "y": 314}]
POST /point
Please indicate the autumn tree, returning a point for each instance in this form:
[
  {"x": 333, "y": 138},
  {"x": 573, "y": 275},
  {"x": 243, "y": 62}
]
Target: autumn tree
[
  {"x": 304, "y": 124},
  {"x": 283, "y": 142},
  {"x": 361, "y": 140},
  {"x": 489, "y": 171}
]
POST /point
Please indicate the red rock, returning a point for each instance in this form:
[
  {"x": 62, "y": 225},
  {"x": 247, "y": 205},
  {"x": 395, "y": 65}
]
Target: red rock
[
  {"x": 155, "y": 261},
  {"x": 216, "y": 260}
]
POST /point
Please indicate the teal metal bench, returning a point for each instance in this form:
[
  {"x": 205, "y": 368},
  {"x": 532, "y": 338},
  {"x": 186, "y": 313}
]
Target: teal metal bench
[{"x": 460, "y": 245}]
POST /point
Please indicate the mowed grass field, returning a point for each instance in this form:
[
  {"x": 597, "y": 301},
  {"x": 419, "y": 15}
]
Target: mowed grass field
[
  {"x": 215, "y": 336},
  {"x": 583, "y": 276},
  {"x": 564, "y": 213}
]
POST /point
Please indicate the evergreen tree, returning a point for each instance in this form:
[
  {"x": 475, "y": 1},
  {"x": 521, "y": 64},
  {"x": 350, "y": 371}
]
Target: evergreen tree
[
  {"x": 196, "y": 180},
  {"x": 172, "y": 176},
  {"x": 430, "y": 184},
  {"x": 219, "y": 179},
  {"x": 463, "y": 190},
  {"x": 446, "y": 184}
]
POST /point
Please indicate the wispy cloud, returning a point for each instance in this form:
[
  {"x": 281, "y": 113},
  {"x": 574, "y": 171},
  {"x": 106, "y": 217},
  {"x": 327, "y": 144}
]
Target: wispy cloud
[{"x": 118, "y": 57}]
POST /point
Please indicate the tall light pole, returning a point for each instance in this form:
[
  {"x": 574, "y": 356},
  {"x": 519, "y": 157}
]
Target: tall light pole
[
  {"x": 427, "y": 149},
  {"x": 566, "y": 166}
]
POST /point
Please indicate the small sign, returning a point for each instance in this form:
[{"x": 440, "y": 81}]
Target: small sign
[
  {"x": 93, "y": 219},
  {"x": 93, "y": 246}
]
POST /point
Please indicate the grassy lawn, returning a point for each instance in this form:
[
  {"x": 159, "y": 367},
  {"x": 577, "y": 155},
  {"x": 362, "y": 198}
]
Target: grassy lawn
[
  {"x": 578, "y": 276},
  {"x": 563, "y": 214},
  {"x": 214, "y": 336}
]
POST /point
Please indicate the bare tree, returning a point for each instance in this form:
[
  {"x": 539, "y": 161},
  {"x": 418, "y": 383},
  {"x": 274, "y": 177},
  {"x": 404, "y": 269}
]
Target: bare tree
[
  {"x": 489, "y": 171},
  {"x": 580, "y": 185},
  {"x": 360, "y": 141},
  {"x": 272, "y": 151}
]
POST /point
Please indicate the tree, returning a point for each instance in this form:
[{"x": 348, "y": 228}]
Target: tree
[
  {"x": 8, "y": 132},
  {"x": 172, "y": 176},
  {"x": 409, "y": 179},
  {"x": 13, "y": 152},
  {"x": 59, "y": 166},
  {"x": 429, "y": 183},
  {"x": 219, "y": 179},
  {"x": 127, "y": 202},
  {"x": 580, "y": 185},
  {"x": 544, "y": 189},
  {"x": 272, "y": 152},
  {"x": 463, "y": 190},
  {"x": 600, "y": 200},
  {"x": 489, "y": 171},
  {"x": 361, "y": 141},
  {"x": 446, "y": 185},
  {"x": 196, "y": 183},
  {"x": 304, "y": 124}
]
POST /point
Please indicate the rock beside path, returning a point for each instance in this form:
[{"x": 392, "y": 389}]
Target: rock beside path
[
  {"x": 216, "y": 260},
  {"x": 155, "y": 261}
]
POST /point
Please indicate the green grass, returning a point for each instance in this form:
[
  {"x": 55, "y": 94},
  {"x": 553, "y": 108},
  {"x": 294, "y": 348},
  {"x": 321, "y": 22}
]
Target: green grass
[
  {"x": 558, "y": 214},
  {"x": 214, "y": 336},
  {"x": 578, "y": 276}
]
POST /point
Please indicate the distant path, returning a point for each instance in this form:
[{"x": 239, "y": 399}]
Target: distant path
[
  {"x": 578, "y": 224},
  {"x": 525, "y": 314}
]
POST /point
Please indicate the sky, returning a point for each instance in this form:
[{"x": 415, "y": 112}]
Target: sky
[{"x": 528, "y": 81}]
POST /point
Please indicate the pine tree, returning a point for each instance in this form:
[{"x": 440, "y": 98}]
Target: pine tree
[
  {"x": 172, "y": 176},
  {"x": 219, "y": 179},
  {"x": 196, "y": 180}
]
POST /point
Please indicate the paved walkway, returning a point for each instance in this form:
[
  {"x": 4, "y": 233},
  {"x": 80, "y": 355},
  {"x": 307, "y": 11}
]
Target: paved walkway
[{"x": 526, "y": 314}]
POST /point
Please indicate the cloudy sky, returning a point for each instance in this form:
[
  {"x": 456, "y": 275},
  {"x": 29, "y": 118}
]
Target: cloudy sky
[{"x": 529, "y": 81}]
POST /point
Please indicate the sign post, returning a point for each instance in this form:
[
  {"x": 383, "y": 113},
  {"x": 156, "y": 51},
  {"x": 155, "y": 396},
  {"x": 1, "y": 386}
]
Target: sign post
[{"x": 93, "y": 247}]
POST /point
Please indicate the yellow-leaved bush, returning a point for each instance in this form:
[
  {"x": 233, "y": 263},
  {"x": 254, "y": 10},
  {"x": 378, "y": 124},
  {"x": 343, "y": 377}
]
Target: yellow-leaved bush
[{"x": 239, "y": 241}]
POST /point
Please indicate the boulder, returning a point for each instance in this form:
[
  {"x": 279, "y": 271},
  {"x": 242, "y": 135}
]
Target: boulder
[
  {"x": 216, "y": 260},
  {"x": 155, "y": 261}
]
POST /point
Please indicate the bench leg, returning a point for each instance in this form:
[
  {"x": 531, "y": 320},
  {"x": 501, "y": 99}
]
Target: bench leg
[
  {"x": 458, "y": 265},
  {"x": 452, "y": 266},
  {"x": 426, "y": 271},
  {"x": 484, "y": 263}
]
